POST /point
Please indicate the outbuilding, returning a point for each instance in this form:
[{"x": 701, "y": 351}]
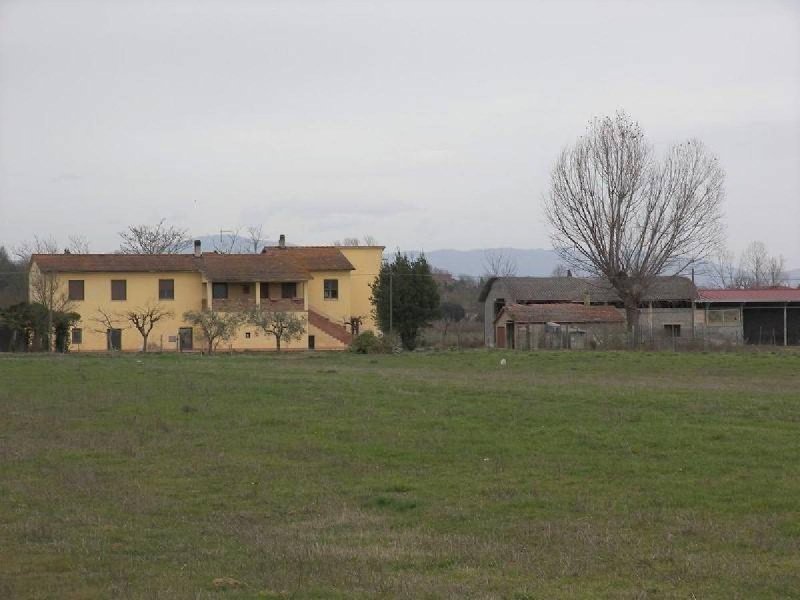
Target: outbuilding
[
  {"x": 569, "y": 326},
  {"x": 750, "y": 316}
]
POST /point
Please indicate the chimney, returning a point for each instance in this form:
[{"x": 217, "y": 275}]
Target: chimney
[
  {"x": 197, "y": 251},
  {"x": 282, "y": 241}
]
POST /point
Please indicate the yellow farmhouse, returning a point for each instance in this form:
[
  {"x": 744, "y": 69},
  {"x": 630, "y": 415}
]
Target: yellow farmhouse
[{"x": 328, "y": 286}]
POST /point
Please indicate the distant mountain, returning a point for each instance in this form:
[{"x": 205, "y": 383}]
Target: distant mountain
[{"x": 531, "y": 263}]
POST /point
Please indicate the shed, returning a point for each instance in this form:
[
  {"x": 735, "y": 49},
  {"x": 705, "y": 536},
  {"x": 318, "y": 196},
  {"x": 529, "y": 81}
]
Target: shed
[
  {"x": 753, "y": 316},
  {"x": 562, "y": 325}
]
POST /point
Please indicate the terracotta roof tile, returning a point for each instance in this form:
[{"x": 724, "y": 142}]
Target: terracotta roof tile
[
  {"x": 574, "y": 289},
  {"x": 560, "y": 313},
  {"x": 273, "y": 264}
]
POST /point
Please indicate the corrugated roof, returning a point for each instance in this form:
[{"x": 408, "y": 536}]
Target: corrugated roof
[
  {"x": 574, "y": 289},
  {"x": 777, "y": 294},
  {"x": 273, "y": 264},
  {"x": 560, "y": 313}
]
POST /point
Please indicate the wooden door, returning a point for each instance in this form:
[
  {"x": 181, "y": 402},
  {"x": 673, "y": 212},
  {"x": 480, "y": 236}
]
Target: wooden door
[{"x": 186, "y": 338}]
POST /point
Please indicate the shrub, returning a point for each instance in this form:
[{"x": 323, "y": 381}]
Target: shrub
[{"x": 369, "y": 343}]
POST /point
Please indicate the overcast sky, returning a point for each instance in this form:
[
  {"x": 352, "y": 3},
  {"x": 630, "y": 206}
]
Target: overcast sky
[{"x": 425, "y": 124}]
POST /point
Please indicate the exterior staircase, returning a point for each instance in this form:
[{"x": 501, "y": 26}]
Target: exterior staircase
[{"x": 326, "y": 325}]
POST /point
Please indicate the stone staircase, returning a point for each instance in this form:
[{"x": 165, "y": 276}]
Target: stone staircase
[{"x": 326, "y": 325}]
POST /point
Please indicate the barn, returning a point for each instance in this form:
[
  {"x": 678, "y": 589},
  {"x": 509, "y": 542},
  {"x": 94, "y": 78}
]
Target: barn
[{"x": 750, "y": 316}]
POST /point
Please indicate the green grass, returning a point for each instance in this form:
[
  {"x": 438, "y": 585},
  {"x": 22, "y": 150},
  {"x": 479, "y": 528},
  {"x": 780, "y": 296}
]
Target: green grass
[{"x": 583, "y": 475}]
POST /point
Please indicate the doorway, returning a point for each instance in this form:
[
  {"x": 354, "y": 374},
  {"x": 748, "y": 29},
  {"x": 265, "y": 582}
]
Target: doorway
[
  {"x": 185, "y": 339},
  {"x": 311, "y": 342},
  {"x": 114, "y": 339}
]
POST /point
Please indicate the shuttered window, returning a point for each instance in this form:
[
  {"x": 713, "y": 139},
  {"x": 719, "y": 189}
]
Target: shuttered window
[
  {"x": 76, "y": 289},
  {"x": 119, "y": 289}
]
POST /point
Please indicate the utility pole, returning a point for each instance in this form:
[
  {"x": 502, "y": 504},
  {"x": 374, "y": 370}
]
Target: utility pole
[{"x": 391, "y": 307}]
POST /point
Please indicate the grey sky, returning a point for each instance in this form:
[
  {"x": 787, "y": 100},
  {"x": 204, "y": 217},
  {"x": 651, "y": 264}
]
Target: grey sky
[{"x": 424, "y": 124}]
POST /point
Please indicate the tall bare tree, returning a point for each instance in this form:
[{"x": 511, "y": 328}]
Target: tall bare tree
[
  {"x": 145, "y": 318},
  {"x": 499, "y": 263},
  {"x": 255, "y": 237},
  {"x": 154, "y": 239},
  {"x": 617, "y": 212}
]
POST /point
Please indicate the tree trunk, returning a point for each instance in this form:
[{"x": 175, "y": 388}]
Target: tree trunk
[
  {"x": 210, "y": 346},
  {"x": 632, "y": 321},
  {"x": 50, "y": 344},
  {"x": 278, "y": 343},
  {"x": 144, "y": 342}
]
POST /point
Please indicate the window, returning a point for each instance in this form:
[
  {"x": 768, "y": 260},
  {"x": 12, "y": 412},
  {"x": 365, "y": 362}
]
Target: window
[
  {"x": 77, "y": 335},
  {"x": 219, "y": 291},
  {"x": 119, "y": 289},
  {"x": 264, "y": 289},
  {"x": 76, "y": 289},
  {"x": 331, "y": 289},
  {"x": 246, "y": 289},
  {"x": 247, "y": 335},
  {"x": 672, "y": 330},
  {"x": 289, "y": 290},
  {"x": 499, "y": 304},
  {"x": 166, "y": 289}
]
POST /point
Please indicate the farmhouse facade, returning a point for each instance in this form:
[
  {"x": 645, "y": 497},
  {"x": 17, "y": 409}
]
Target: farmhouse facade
[{"x": 327, "y": 286}]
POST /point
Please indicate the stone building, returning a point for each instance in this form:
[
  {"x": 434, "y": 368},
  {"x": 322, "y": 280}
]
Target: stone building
[{"x": 666, "y": 309}]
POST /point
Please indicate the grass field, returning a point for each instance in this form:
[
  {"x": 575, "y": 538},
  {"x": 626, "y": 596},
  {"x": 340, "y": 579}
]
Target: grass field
[{"x": 584, "y": 475}]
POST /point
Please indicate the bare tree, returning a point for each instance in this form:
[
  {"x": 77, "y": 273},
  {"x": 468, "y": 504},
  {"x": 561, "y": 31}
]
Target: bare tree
[
  {"x": 722, "y": 269},
  {"x": 756, "y": 268},
  {"x": 145, "y": 318},
  {"x": 498, "y": 263},
  {"x": 759, "y": 269},
  {"x": 105, "y": 321},
  {"x": 615, "y": 211},
  {"x": 154, "y": 239},
  {"x": 560, "y": 270},
  {"x": 47, "y": 289},
  {"x": 215, "y": 326},
  {"x": 284, "y": 326},
  {"x": 39, "y": 245},
  {"x": 228, "y": 241},
  {"x": 255, "y": 237},
  {"x": 78, "y": 244},
  {"x": 370, "y": 240}
]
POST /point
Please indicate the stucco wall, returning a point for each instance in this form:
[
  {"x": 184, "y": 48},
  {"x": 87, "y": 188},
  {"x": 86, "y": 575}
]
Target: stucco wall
[
  {"x": 142, "y": 289},
  {"x": 367, "y": 263}
]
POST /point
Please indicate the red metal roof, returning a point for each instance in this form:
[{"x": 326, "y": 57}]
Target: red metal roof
[{"x": 776, "y": 294}]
